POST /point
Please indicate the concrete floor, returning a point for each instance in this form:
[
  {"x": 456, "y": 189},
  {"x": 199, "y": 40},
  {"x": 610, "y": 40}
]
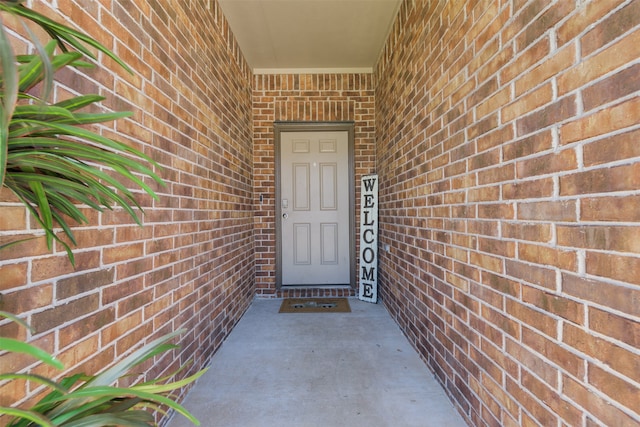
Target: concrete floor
[{"x": 318, "y": 370}]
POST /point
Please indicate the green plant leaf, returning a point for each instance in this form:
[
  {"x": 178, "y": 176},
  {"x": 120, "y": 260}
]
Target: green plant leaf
[
  {"x": 40, "y": 69},
  {"x": 62, "y": 33},
  {"x": 8, "y": 96},
  {"x": 32, "y": 69},
  {"x": 130, "y": 418},
  {"x": 89, "y": 407},
  {"x": 17, "y": 346},
  {"x": 66, "y": 383},
  {"x": 85, "y": 394},
  {"x": 168, "y": 377},
  {"x": 43, "y": 128},
  {"x": 125, "y": 404},
  {"x": 52, "y": 203},
  {"x": 80, "y": 182},
  {"x": 93, "y": 118},
  {"x": 43, "y": 112},
  {"x": 50, "y": 173},
  {"x": 62, "y": 194},
  {"x": 96, "y": 402},
  {"x": 24, "y": 197},
  {"x": 45, "y": 208},
  {"x": 34, "y": 417},
  {"x": 33, "y": 378},
  {"x": 14, "y": 242},
  {"x": 17, "y": 320},
  {"x": 163, "y": 388},
  {"x": 47, "y": 67},
  {"x": 79, "y": 102},
  {"x": 151, "y": 349},
  {"x": 110, "y": 375}
]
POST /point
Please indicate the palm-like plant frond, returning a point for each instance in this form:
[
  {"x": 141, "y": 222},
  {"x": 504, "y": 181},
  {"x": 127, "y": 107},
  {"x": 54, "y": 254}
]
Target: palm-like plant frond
[
  {"x": 63, "y": 35},
  {"x": 83, "y": 400},
  {"x": 50, "y": 156},
  {"x": 8, "y": 95}
]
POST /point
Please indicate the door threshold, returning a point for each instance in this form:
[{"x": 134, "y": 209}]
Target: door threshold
[
  {"x": 294, "y": 287},
  {"x": 315, "y": 291}
]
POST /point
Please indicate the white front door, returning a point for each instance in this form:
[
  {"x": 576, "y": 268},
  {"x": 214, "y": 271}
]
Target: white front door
[{"x": 314, "y": 208}]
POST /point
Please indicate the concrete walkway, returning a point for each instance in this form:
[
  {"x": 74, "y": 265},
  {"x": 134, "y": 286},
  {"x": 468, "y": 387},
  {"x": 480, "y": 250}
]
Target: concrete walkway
[{"x": 318, "y": 370}]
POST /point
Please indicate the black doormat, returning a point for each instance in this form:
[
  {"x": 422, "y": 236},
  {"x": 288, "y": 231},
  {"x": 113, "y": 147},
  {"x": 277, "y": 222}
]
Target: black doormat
[{"x": 315, "y": 305}]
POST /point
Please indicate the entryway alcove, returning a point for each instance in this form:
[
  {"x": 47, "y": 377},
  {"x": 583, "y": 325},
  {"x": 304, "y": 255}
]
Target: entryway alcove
[{"x": 504, "y": 135}]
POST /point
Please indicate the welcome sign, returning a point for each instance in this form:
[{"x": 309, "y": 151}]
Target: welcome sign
[{"x": 368, "y": 277}]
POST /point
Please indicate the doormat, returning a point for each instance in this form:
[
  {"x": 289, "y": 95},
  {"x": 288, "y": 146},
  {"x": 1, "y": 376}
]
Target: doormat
[{"x": 315, "y": 305}]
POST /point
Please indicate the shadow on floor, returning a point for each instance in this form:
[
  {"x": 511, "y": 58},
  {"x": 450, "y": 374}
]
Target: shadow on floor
[{"x": 318, "y": 370}]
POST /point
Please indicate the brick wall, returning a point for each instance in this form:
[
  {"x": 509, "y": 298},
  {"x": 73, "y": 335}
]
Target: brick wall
[
  {"x": 191, "y": 266},
  {"x": 305, "y": 97},
  {"x": 507, "y": 145}
]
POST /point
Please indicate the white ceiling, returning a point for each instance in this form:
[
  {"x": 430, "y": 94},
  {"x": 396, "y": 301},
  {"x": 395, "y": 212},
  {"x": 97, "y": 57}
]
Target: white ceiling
[{"x": 280, "y": 36}]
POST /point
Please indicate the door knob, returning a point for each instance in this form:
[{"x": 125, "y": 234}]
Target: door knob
[{"x": 285, "y": 215}]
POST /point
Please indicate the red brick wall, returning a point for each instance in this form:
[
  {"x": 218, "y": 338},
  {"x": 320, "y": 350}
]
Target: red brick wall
[
  {"x": 191, "y": 266},
  {"x": 507, "y": 145},
  {"x": 305, "y": 97}
]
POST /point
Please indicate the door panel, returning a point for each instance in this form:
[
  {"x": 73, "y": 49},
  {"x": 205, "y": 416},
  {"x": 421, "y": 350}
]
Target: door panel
[
  {"x": 329, "y": 244},
  {"x": 328, "y": 186},
  {"x": 301, "y": 244},
  {"x": 314, "y": 205},
  {"x": 301, "y": 190}
]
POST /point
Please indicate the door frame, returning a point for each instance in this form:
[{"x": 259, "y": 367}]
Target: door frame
[{"x": 349, "y": 127}]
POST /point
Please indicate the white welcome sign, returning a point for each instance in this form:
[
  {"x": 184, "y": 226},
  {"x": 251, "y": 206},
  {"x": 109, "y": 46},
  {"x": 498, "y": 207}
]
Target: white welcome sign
[{"x": 368, "y": 277}]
